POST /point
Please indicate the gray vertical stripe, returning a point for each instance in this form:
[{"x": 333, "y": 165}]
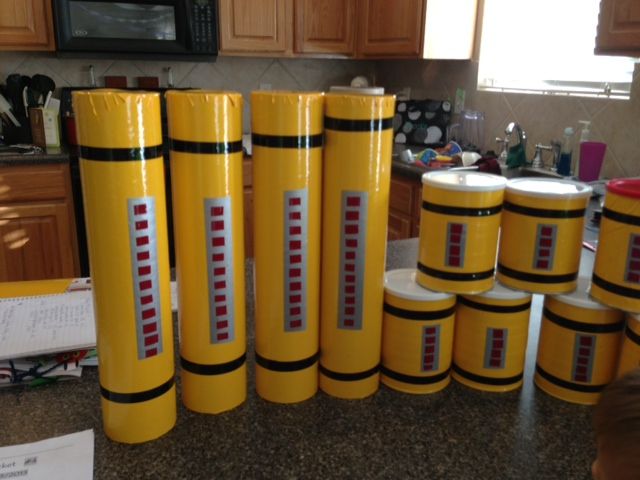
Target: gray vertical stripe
[{"x": 296, "y": 240}]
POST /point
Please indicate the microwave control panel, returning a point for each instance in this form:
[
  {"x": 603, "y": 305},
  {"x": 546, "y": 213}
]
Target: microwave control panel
[{"x": 203, "y": 21}]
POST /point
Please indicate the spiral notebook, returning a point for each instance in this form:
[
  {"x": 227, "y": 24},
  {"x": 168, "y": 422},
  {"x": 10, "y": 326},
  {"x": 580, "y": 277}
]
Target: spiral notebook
[{"x": 44, "y": 324}]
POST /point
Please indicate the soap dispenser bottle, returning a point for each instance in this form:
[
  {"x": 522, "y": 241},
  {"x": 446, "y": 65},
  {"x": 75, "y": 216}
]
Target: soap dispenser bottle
[{"x": 564, "y": 164}]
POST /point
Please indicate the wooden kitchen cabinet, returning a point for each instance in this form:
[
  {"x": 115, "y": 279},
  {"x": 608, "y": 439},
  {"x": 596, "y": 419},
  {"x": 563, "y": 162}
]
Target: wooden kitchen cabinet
[
  {"x": 618, "y": 28},
  {"x": 247, "y": 185},
  {"x": 37, "y": 223},
  {"x": 405, "y": 199},
  {"x": 26, "y": 25},
  {"x": 325, "y": 26}
]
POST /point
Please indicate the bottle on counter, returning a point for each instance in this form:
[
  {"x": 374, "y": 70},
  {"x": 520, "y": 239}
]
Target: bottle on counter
[{"x": 564, "y": 163}]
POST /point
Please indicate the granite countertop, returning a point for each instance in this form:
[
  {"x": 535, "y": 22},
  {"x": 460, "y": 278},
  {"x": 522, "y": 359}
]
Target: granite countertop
[
  {"x": 458, "y": 433},
  {"x": 50, "y": 155}
]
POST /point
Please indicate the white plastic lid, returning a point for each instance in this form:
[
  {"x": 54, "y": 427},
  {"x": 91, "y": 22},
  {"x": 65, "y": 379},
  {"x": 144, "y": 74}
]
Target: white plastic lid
[
  {"x": 501, "y": 292},
  {"x": 580, "y": 296},
  {"x": 568, "y": 131},
  {"x": 357, "y": 90},
  {"x": 548, "y": 187},
  {"x": 402, "y": 283},
  {"x": 467, "y": 181}
]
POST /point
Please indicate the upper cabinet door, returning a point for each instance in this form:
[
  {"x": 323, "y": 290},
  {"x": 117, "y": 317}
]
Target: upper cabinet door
[
  {"x": 391, "y": 28},
  {"x": 250, "y": 26},
  {"x": 26, "y": 25},
  {"x": 325, "y": 26},
  {"x": 619, "y": 28}
]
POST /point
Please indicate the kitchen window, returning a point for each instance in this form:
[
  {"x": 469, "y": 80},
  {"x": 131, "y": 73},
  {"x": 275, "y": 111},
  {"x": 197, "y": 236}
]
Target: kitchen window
[{"x": 546, "y": 46}]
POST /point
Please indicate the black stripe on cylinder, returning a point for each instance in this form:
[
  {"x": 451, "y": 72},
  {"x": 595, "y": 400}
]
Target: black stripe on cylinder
[
  {"x": 486, "y": 380},
  {"x": 418, "y": 315},
  {"x": 287, "y": 141},
  {"x": 536, "y": 277},
  {"x": 214, "y": 368},
  {"x": 614, "y": 288},
  {"x": 349, "y": 125},
  {"x": 349, "y": 377},
  {"x": 581, "y": 326},
  {"x": 620, "y": 217},
  {"x": 633, "y": 336},
  {"x": 294, "y": 366},
  {"x": 209, "y": 148},
  {"x": 414, "y": 379},
  {"x": 543, "y": 212},
  {"x": 454, "y": 276},
  {"x": 461, "y": 211},
  {"x": 494, "y": 308},
  {"x": 137, "y": 397},
  {"x": 120, "y": 154},
  {"x": 577, "y": 387}
]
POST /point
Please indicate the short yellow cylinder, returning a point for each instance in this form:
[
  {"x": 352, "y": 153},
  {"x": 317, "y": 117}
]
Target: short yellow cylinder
[
  {"x": 205, "y": 130},
  {"x": 124, "y": 198},
  {"x": 616, "y": 272},
  {"x": 287, "y": 186},
  {"x": 630, "y": 350},
  {"x": 541, "y": 239},
  {"x": 491, "y": 339},
  {"x": 357, "y": 175},
  {"x": 578, "y": 346},
  {"x": 459, "y": 225},
  {"x": 417, "y": 335}
]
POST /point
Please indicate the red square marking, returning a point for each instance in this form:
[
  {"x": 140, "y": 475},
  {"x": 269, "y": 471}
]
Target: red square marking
[
  {"x": 149, "y": 328},
  {"x": 144, "y": 270},
  {"x": 496, "y": 353},
  {"x": 636, "y": 240},
  {"x": 349, "y": 278},
  {"x": 217, "y": 241},
  {"x": 428, "y": 359},
  {"x": 140, "y": 209},
  {"x": 220, "y": 298},
  {"x": 145, "y": 285},
  {"x": 295, "y": 324},
  {"x": 633, "y": 277},
  {"x": 545, "y": 242},
  {"x": 152, "y": 352},
  {"x": 546, "y": 231},
  {"x": 585, "y": 352},
  {"x": 217, "y": 257},
  {"x": 349, "y": 289},
  {"x": 498, "y": 343},
  {"x": 429, "y": 349},
  {"x": 149, "y": 313},
  {"x": 635, "y": 253},
  {"x": 455, "y": 239},
  {"x": 580, "y": 378},
  {"x": 147, "y": 299},
  {"x": 295, "y": 259},
  {"x": 295, "y": 201},
  {"x": 295, "y": 245},
  {"x": 295, "y": 311},
  {"x": 495, "y": 362},
  {"x": 430, "y": 331},
  {"x": 142, "y": 225},
  {"x": 454, "y": 261},
  {"x": 430, "y": 340},
  {"x": 634, "y": 265},
  {"x": 348, "y": 322},
  {"x": 217, "y": 225},
  {"x": 350, "y": 300},
  {"x": 455, "y": 228},
  {"x": 349, "y": 310},
  {"x": 498, "y": 334},
  {"x": 295, "y": 272},
  {"x": 217, "y": 211},
  {"x": 141, "y": 256},
  {"x": 586, "y": 341},
  {"x": 295, "y": 215},
  {"x": 349, "y": 255},
  {"x": 454, "y": 250},
  {"x": 542, "y": 264},
  {"x": 295, "y": 286},
  {"x": 151, "y": 340},
  {"x": 353, "y": 215},
  {"x": 583, "y": 361},
  {"x": 581, "y": 370},
  {"x": 222, "y": 324},
  {"x": 142, "y": 241},
  {"x": 295, "y": 230},
  {"x": 351, "y": 229},
  {"x": 350, "y": 267},
  {"x": 221, "y": 310},
  {"x": 543, "y": 252},
  {"x": 295, "y": 298},
  {"x": 353, "y": 201},
  {"x": 222, "y": 336},
  {"x": 221, "y": 285},
  {"x": 351, "y": 242},
  {"x": 219, "y": 271}
]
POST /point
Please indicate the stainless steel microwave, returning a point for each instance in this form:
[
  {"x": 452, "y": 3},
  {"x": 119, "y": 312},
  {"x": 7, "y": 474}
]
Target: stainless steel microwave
[{"x": 145, "y": 29}]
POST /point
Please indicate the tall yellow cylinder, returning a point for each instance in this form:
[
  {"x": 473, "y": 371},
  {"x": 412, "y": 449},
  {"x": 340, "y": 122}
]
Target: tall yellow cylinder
[
  {"x": 630, "y": 350},
  {"x": 357, "y": 168},
  {"x": 616, "y": 272},
  {"x": 491, "y": 339},
  {"x": 541, "y": 238},
  {"x": 124, "y": 198},
  {"x": 417, "y": 335},
  {"x": 578, "y": 346},
  {"x": 287, "y": 172},
  {"x": 205, "y": 130},
  {"x": 459, "y": 225}
]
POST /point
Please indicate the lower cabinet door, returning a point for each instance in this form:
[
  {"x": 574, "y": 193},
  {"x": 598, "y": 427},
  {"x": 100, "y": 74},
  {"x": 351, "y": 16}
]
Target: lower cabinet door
[{"x": 399, "y": 226}]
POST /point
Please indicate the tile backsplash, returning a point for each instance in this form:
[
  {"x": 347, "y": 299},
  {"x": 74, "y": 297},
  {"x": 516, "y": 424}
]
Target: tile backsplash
[{"x": 615, "y": 122}]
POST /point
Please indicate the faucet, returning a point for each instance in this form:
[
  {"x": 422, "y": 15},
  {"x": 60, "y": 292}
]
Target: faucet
[
  {"x": 538, "y": 161},
  {"x": 522, "y": 136}
]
